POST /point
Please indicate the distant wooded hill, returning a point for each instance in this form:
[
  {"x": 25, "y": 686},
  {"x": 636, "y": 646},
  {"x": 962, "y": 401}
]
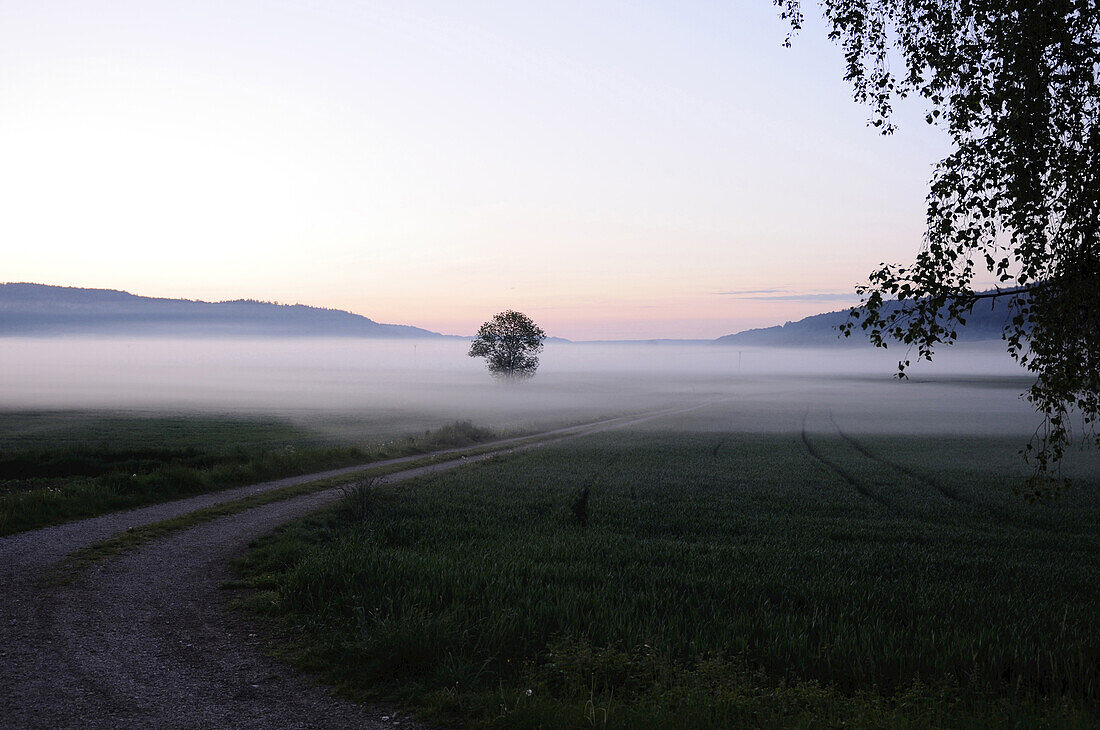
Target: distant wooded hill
[
  {"x": 39, "y": 309},
  {"x": 985, "y": 323}
]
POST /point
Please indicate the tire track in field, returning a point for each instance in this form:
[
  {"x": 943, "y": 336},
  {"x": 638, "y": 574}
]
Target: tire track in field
[
  {"x": 950, "y": 494},
  {"x": 846, "y": 476}
]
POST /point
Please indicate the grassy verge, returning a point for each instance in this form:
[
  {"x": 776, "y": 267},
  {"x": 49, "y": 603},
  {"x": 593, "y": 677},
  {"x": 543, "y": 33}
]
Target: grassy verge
[
  {"x": 138, "y": 536},
  {"x": 360, "y": 480},
  {"x": 705, "y": 582},
  {"x": 58, "y": 469}
]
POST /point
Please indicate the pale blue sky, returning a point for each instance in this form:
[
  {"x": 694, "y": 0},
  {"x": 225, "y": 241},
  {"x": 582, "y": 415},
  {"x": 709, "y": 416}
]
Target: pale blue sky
[{"x": 613, "y": 169}]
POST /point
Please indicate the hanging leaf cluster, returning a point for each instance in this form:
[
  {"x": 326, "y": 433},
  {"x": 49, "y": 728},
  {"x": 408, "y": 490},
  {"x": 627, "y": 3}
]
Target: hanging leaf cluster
[{"x": 1016, "y": 85}]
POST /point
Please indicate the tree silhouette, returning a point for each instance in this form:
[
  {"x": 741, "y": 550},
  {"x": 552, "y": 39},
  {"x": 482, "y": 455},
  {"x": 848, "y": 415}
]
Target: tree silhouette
[
  {"x": 1016, "y": 84},
  {"x": 510, "y": 343}
]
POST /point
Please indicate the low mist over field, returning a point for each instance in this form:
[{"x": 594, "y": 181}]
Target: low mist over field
[
  {"x": 481, "y": 364},
  {"x": 971, "y": 389}
]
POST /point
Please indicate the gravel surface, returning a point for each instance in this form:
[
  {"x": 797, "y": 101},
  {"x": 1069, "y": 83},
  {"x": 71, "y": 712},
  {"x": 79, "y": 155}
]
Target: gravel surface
[{"x": 144, "y": 640}]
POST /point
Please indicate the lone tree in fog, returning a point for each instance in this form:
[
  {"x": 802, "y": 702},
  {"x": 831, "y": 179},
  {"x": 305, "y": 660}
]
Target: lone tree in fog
[
  {"x": 510, "y": 343},
  {"x": 1016, "y": 85}
]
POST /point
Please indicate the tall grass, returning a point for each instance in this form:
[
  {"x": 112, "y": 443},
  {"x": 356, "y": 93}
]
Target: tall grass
[
  {"x": 747, "y": 586},
  {"x": 115, "y": 463}
]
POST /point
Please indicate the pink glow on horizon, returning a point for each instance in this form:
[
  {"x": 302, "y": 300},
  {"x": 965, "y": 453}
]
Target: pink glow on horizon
[{"x": 609, "y": 169}]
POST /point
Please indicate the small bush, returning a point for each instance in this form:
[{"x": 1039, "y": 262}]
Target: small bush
[
  {"x": 580, "y": 508},
  {"x": 358, "y": 502}
]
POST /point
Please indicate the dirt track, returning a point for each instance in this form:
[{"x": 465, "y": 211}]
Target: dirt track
[{"x": 143, "y": 640}]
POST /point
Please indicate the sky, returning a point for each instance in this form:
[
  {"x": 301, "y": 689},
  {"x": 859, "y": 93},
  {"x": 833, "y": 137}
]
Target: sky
[{"x": 616, "y": 170}]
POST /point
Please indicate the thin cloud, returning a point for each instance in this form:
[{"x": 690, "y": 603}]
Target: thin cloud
[
  {"x": 836, "y": 296},
  {"x": 784, "y": 294},
  {"x": 743, "y": 292}
]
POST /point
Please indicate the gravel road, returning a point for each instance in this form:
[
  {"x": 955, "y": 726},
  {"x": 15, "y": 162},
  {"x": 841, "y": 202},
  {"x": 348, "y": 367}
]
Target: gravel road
[{"x": 145, "y": 640}]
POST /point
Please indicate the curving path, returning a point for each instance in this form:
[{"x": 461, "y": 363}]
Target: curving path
[{"x": 142, "y": 640}]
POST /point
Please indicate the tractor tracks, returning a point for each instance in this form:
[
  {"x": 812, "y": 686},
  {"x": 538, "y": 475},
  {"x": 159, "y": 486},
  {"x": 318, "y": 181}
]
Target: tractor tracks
[
  {"x": 869, "y": 490},
  {"x": 848, "y": 478},
  {"x": 947, "y": 492}
]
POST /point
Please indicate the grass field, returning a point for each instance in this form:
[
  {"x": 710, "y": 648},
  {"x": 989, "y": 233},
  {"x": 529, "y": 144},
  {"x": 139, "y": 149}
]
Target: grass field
[
  {"x": 57, "y": 466},
  {"x": 814, "y": 579}
]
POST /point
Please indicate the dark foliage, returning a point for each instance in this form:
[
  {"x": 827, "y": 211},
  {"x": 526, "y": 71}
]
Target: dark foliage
[
  {"x": 510, "y": 343},
  {"x": 1016, "y": 84}
]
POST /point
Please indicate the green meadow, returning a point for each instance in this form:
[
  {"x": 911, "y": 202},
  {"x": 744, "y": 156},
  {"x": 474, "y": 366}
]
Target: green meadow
[
  {"x": 57, "y": 466},
  {"x": 819, "y": 579}
]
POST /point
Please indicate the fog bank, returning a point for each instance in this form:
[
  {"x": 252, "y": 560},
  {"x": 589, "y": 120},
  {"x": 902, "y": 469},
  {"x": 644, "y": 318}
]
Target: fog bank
[{"x": 972, "y": 389}]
